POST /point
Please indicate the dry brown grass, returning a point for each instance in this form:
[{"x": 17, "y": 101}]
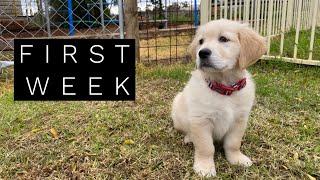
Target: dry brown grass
[
  {"x": 282, "y": 137},
  {"x": 6, "y": 55},
  {"x": 6, "y": 81}
]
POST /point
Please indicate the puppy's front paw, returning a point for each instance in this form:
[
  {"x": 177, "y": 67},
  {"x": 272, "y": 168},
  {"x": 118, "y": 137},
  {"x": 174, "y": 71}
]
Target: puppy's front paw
[
  {"x": 239, "y": 159},
  {"x": 205, "y": 169}
]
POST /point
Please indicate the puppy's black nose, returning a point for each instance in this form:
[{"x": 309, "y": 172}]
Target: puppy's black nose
[{"x": 204, "y": 53}]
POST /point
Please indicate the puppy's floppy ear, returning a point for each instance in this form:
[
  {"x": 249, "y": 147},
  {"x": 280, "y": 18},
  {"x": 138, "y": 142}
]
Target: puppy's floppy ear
[
  {"x": 253, "y": 46},
  {"x": 193, "y": 47}
]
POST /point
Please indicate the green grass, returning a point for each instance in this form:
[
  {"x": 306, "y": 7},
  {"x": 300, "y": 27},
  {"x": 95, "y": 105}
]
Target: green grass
[
  {"x": 180, "y": 18},
  {"x": 303, "y": 45},
  {"x": 282, "y": 137}
]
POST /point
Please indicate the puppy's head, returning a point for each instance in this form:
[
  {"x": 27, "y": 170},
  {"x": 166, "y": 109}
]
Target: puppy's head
[{"x": 223, "y": 45}]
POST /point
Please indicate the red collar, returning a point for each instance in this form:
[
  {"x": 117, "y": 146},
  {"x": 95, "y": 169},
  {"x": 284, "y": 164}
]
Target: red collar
[{"x": 227, "y": 90}]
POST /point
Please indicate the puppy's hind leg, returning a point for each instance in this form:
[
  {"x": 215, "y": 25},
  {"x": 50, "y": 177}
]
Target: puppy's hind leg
[{"x": 178, "y": 114}]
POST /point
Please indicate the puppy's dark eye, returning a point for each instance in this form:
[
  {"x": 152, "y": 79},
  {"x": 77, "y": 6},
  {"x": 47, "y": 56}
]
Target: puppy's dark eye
[
  {"x": 201, "y": 41},
  {"x": 223, "y": 39}
]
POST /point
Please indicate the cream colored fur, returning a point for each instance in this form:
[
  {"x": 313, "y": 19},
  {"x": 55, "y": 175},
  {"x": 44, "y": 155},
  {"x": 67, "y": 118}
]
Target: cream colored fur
[{"x": 205, "y": 116}]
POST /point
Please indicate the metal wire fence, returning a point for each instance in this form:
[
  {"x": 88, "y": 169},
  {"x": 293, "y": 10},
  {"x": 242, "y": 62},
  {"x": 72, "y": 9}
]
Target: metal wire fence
[
  {"x": 166, "y": 29},
  {"x": 58, "y": 19}
]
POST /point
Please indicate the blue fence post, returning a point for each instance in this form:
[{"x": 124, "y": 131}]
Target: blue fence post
[
  {"x": 89, "y": 14},
  {"x": 102, "y": 16},
  {"x": 195, "y": 13},
  {"x": 46, "y": 6},
  {"x": 70, "y": 13}
]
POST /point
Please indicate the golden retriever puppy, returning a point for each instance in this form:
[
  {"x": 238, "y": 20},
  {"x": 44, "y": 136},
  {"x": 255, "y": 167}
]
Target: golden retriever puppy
[{"x": 216, "y": 102}]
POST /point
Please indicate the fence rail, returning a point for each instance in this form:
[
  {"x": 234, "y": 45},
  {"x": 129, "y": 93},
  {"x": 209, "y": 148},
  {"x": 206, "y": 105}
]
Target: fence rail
[{"x": 290, "y": 26}]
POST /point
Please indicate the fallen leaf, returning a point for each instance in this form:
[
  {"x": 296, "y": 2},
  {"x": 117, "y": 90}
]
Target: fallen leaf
[
  {"x": 54, "y": 133},
  {"x": 310, "y": 177},
  {"x": 71, "y": 139},
  {"x": 153, "y": 147},
  {"x": 295, "y": 156},
  {"x": 91, "y": 154},
  {"x": 128, "y": 142},
  {"x": 35, "y": 130},
  {"x": 74, "y": 167}
]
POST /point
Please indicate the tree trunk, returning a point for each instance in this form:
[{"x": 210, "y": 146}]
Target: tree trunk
[{"x": 132, "y": 24}]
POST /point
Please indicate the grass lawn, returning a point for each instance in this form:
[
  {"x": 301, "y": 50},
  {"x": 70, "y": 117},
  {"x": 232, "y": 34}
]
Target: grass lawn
[
  {"x": 135, "y": 140},
  {"x": 303, "y": 45}
]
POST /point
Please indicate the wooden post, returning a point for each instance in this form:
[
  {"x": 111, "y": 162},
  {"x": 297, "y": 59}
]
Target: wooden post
[
  {"x": 132, "y": 24},
  {"x": 205, "y": 11}
]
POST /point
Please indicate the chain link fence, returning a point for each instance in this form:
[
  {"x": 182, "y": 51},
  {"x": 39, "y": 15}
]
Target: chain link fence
[{"x": 58, "y": 19}]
